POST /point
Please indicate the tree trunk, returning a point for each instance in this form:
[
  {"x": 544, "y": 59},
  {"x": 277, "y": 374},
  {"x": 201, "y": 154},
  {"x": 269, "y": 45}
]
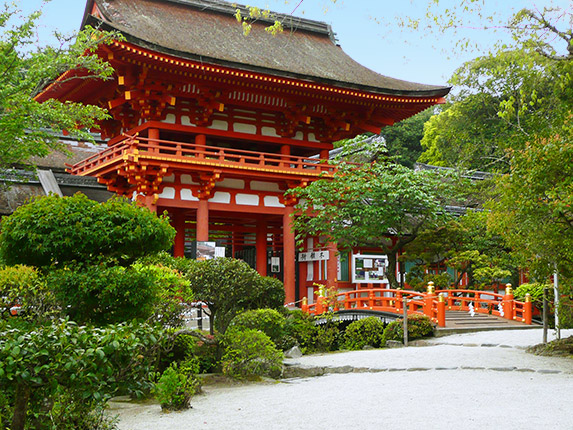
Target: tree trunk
[
  {"x": 20, "y": 407},
  {"x": 392, "y": 269}
]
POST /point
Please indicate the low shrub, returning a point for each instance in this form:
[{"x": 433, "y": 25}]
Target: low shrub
[
  {"x": 250, "y": 353},
  {"x": 299, "y": 330},
  {"x": 269, "y": 321},
  {"x": 185, "y": 347},
  {"x": 328, "y": 335},
  {"x": 418, "y": 326},
  {"x": 69, "y": 413},
  {"x": 367, "y": 331},
  {"x": 177, "y": 384}
]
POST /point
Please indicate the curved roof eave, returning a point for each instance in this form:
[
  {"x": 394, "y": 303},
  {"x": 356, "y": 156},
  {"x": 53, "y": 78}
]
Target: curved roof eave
[{"x": 437, "y": 92}]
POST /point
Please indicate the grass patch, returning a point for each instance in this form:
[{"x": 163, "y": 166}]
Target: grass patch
[{"x": 556, "y": 348}]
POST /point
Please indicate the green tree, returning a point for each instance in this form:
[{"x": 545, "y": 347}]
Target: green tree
[
  {"x": 467, "y": 245},
  {"x": 382, "y": 205},
  {"x": 533, "y": 210},
  {"x": 230, "y": 286},
  {"x": 56, "y": 230},
  {"x": 501, "y": 100},
  {"x": 403, "y": 140},
  {"x": 29, "y": 127}
]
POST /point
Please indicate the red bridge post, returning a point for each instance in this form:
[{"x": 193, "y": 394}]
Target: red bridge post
[
  {"x": 429, "y": 300},
  {"x": 441, "y": 311},
  {"x": 508, "y": 302},
  {"x": 527, "y": 309}
]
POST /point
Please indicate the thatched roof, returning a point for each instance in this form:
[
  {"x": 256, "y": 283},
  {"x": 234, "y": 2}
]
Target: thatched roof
[{"x": 207, "y": 30}]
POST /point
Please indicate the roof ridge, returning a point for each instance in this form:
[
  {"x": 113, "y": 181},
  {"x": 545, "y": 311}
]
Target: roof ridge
[{"x": 287, "y": 20}]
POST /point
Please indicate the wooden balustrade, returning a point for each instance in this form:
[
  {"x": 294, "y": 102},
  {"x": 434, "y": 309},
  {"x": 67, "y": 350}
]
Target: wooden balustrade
[
  {"x": 433, "y": 304},
  {"x": 177, "y": 151}
]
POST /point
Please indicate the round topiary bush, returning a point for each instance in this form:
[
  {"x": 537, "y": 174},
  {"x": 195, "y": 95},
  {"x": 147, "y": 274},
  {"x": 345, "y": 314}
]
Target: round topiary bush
[
  {"x": 418, "y": 326},
  {"x": 367, "y": 331},
  {"x": 269, "y": 321},
  {"x": 250, "y": 353}
]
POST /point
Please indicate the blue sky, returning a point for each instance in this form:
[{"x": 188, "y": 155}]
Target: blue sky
[{"x": 367, "y": 30}]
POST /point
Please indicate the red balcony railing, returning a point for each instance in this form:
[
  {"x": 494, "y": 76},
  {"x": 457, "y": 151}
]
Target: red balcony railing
[{"x": 189, "y": 154}]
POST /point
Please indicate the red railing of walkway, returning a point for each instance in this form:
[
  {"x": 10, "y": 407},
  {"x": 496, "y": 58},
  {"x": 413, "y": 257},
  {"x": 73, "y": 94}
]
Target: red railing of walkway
[
  {"x": 431, "y": 303},
  {"x": 165, "y": 150}
]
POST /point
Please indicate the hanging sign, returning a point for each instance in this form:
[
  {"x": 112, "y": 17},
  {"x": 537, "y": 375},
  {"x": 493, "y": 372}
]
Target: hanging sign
[{"x": 313, "y": 256}]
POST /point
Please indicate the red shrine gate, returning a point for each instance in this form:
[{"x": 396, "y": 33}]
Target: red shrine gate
[{"x": 213, "y": 127}]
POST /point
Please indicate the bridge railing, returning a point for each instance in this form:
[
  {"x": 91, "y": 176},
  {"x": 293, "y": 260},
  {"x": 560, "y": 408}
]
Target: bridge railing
[
  {"x": 431, "y": 303},
  {"x": 485, "y": 302},
  {"x": 382, "y": 300}
]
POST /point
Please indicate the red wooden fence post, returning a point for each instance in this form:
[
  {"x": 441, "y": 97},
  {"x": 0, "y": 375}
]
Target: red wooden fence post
[
  {"x": 527, "y": 309},
  {"x": 508, "y": 302},
  {"x": 441, "y": 311}
]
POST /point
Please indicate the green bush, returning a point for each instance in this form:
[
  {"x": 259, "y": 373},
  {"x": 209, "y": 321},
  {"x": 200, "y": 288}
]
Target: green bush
[
  {"x": 328, "y": 335},
  {"x": 300, "y": 328},
  {"x": 25, "y": 286},
  {"x": 41, "y": 363},
  {"x": 418, "y": 326},
  {"x": 70, "y": 413},
  {"x": 367, "y": 331},
  {"x": 177, "y": 384},
  {"x": 226, "y": 285},
  {"x": 103, "y": 294},
  {"x": 250, "y": 353},
  {"x": 269, "y": 321},
  {"x": 187, "y": 347}
]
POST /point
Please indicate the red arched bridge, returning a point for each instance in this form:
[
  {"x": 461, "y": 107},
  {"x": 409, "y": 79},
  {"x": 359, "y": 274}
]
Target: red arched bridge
[{"x": 433, "y": 303}]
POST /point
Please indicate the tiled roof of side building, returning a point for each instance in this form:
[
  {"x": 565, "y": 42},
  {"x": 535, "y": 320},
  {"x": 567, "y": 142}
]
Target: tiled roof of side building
[{"x": 207, "y": 30}]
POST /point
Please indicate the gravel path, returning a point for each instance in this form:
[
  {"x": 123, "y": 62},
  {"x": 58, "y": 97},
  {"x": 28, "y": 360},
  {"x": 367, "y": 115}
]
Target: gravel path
[{"x": 475, "y": 381}]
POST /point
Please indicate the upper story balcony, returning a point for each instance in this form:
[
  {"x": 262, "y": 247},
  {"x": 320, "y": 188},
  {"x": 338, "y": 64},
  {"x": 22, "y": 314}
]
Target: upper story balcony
[{"x": 132, "y": 159}]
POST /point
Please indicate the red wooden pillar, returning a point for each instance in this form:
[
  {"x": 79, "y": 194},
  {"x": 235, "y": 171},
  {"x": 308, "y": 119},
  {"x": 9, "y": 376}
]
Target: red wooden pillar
[
  {"x": 153, "y": 135},
  {"x": 285, "y": 150},
  {"x": 200, "y": 142},
  {"x": 179, "y": 225},
  {"x": 203, "y": 221},
  {"x": 289, "y": 256},
  {"x": 262, "y": 248}
]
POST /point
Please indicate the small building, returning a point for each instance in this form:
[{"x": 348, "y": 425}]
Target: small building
[{"x": 213, "y": 127}]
